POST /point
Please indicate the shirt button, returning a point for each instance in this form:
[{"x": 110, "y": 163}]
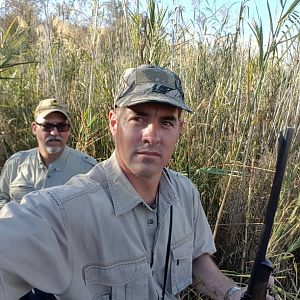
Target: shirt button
[{"x": 150, "y": 221}]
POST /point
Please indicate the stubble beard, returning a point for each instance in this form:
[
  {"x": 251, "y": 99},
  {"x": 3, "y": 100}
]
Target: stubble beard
[{"x": 146, "y": 168}]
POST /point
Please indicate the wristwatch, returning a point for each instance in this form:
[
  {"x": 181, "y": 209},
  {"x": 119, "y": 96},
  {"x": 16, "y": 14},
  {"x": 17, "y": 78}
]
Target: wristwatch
[{"x": 230, "y": 292}]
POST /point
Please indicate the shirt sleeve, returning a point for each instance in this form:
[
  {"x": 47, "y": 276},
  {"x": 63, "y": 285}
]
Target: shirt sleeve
[
  {"x": 33, "y": 248},
  {"x": 203, "y": 240},
  {"x": 4, "y": 184}
]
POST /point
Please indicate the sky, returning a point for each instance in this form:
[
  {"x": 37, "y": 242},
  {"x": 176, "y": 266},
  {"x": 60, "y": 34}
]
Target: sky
[
  {"x": 255, "y": 6},
  {"x": 256, "y": 9}
]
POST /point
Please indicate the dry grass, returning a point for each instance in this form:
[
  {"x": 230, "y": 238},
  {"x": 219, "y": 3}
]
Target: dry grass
[{"x": 241, "y": 98}]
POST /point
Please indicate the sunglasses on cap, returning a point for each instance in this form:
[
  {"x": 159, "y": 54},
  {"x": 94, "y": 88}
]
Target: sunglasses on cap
[{"x": 48, "y": 127}]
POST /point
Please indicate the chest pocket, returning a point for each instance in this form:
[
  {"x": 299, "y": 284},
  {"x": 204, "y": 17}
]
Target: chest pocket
[
  {"x": 122, "y": 281},
  {"x": 18, "y": 191},
  {"x": 181, "y": 265},
  {"x": 23, "y": 182}
]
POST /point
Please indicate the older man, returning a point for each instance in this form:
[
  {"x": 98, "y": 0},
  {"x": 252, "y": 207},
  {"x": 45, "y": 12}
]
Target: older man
[{"x": 51, "y": 163}]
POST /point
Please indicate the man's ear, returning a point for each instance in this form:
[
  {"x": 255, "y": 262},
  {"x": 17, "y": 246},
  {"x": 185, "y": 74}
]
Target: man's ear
[
  {"x": 33, "y": 127},
  {"x": 113, "y": 121}
]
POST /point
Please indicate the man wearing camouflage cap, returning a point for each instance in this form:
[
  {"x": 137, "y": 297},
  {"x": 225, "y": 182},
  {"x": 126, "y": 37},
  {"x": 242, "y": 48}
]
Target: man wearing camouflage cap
[
  {"x": 51, "y": 163},
  {"x": 130, "y": 229}
]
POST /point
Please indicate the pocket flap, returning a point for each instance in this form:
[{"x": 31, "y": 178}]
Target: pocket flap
[
  {"x": 117, "y": 274},
  {"x": 18, "y": 191},
  {"x": 184, "y": 249}
]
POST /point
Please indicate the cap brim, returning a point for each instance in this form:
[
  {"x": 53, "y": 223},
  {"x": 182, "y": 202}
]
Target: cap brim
[
  {"x": 131, "y": 100},
  {"x": 45, "y": 113}
]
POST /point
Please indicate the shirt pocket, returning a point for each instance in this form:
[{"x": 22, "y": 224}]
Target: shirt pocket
[
  {"x": 181, "y": 265},
  {"x": 122, "y": 281},
  {"x": 19, "y": 190}
]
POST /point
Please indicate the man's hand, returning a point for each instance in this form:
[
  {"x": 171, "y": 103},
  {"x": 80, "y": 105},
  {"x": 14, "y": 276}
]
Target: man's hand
[
  {"x": 208, "y": 279},
  {"x": 268, "y": 297},
  {"x": 239, "y": 295}
]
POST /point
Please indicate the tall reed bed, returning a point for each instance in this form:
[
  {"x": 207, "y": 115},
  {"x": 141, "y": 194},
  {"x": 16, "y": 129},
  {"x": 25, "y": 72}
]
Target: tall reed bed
[{"x": 242, "y": 95}]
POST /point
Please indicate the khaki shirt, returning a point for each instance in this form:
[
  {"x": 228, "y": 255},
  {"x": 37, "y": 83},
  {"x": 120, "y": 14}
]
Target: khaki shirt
[
  {"x": 25, "y": 172},
  {"x": 95, "y": 238}
]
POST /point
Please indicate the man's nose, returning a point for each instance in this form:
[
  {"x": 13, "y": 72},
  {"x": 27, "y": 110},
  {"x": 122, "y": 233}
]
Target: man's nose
[
  {"x": 151, "y": 134},
  {"x": 54, "y": 131}
]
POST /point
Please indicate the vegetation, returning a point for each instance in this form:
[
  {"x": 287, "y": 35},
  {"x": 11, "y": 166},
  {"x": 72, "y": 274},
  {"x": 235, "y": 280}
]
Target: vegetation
[{"x": 243, "y": 91}]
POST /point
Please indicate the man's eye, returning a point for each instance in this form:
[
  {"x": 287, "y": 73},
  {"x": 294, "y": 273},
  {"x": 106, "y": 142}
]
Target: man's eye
[
  {"x": 137, "y": 119},
  {"x": 47, "y": 127},
  {"x": 167, "y": 124}
]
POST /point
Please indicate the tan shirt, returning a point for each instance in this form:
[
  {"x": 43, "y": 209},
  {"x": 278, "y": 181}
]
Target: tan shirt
[
  {"x": 25, "y": 172},
  {"x": 94, "y": 238}
]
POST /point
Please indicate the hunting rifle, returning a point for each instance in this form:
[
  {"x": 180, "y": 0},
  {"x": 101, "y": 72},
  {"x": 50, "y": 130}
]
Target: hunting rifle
[{"x": 262, "y": 266}]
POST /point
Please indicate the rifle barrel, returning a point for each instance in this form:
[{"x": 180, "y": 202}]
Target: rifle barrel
[
  {"x": 284, "y": 144},
  {"x": 262, "y": 267}
]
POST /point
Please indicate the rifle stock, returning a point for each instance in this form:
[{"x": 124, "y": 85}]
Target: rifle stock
[{"x": 262, "y": 267}]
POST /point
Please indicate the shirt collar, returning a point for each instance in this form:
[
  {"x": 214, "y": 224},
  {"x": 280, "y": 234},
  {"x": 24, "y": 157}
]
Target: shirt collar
[
  {"x": 124, "y": 196},
  {"x": 59, "y": 163}
]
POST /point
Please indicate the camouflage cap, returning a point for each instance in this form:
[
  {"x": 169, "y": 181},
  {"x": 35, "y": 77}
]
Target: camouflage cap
[
  {"x": 148, "y": 83},
  {"x": 49, "y": 106}
]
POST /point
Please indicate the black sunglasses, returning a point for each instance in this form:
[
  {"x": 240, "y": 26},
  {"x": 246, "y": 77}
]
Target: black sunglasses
[{"x": 48, "y": 127}]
